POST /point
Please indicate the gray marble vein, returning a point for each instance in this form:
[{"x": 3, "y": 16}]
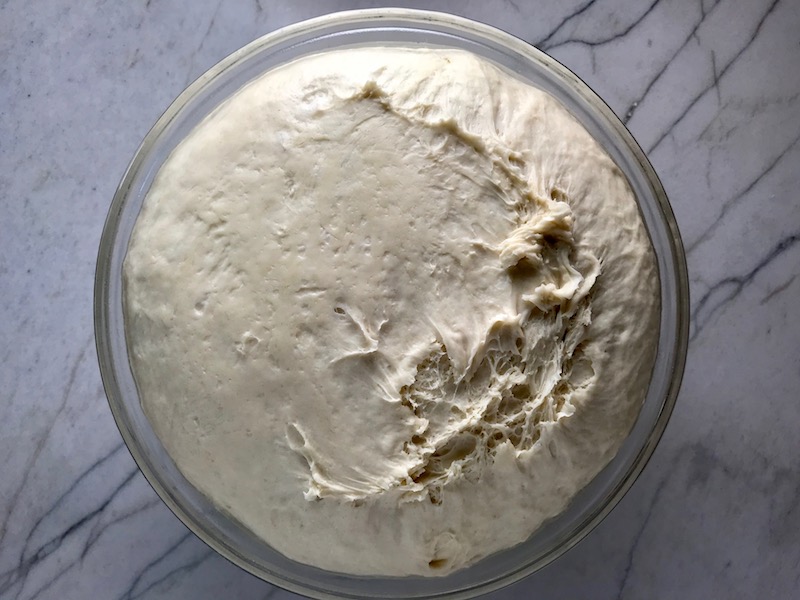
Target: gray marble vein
[
  {"x": 710, "y": 88},
  {"x": 716, "y": 76}
]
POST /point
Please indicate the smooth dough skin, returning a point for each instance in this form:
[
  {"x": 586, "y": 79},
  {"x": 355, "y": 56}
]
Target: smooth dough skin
[{"x": 391, "y": 309}]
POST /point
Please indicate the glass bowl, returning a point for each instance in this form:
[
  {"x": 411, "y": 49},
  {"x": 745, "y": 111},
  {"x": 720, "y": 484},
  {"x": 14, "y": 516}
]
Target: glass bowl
[{"x": 389, "y": 27}]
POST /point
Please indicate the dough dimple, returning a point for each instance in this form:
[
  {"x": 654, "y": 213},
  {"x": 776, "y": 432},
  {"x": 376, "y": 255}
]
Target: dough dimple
[{"x": 394, "y": 302}]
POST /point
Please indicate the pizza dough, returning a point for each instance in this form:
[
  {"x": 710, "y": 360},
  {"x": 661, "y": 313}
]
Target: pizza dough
[{"x": 391, "y": 308}]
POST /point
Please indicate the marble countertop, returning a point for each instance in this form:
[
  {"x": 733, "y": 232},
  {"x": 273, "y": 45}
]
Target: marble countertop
[{"x": 710, "y": 88}]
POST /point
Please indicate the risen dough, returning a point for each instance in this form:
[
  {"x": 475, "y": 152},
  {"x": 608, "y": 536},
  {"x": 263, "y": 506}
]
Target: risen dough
[{"x": 391, "y": 309}]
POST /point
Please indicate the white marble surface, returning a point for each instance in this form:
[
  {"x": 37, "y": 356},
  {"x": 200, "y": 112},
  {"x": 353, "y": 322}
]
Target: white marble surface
[{"x": 710, "y": 88}]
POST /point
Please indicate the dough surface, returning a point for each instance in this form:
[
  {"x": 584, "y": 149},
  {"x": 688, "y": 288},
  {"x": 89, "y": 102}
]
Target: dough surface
[{"x": 391, "y": 308}]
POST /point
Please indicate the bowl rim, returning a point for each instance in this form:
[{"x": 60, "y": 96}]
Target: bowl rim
[{"x": 103, "y": 274}]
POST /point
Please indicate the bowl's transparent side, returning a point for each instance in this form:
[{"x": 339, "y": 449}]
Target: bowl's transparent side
[{"x": 373, "y": 27}]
